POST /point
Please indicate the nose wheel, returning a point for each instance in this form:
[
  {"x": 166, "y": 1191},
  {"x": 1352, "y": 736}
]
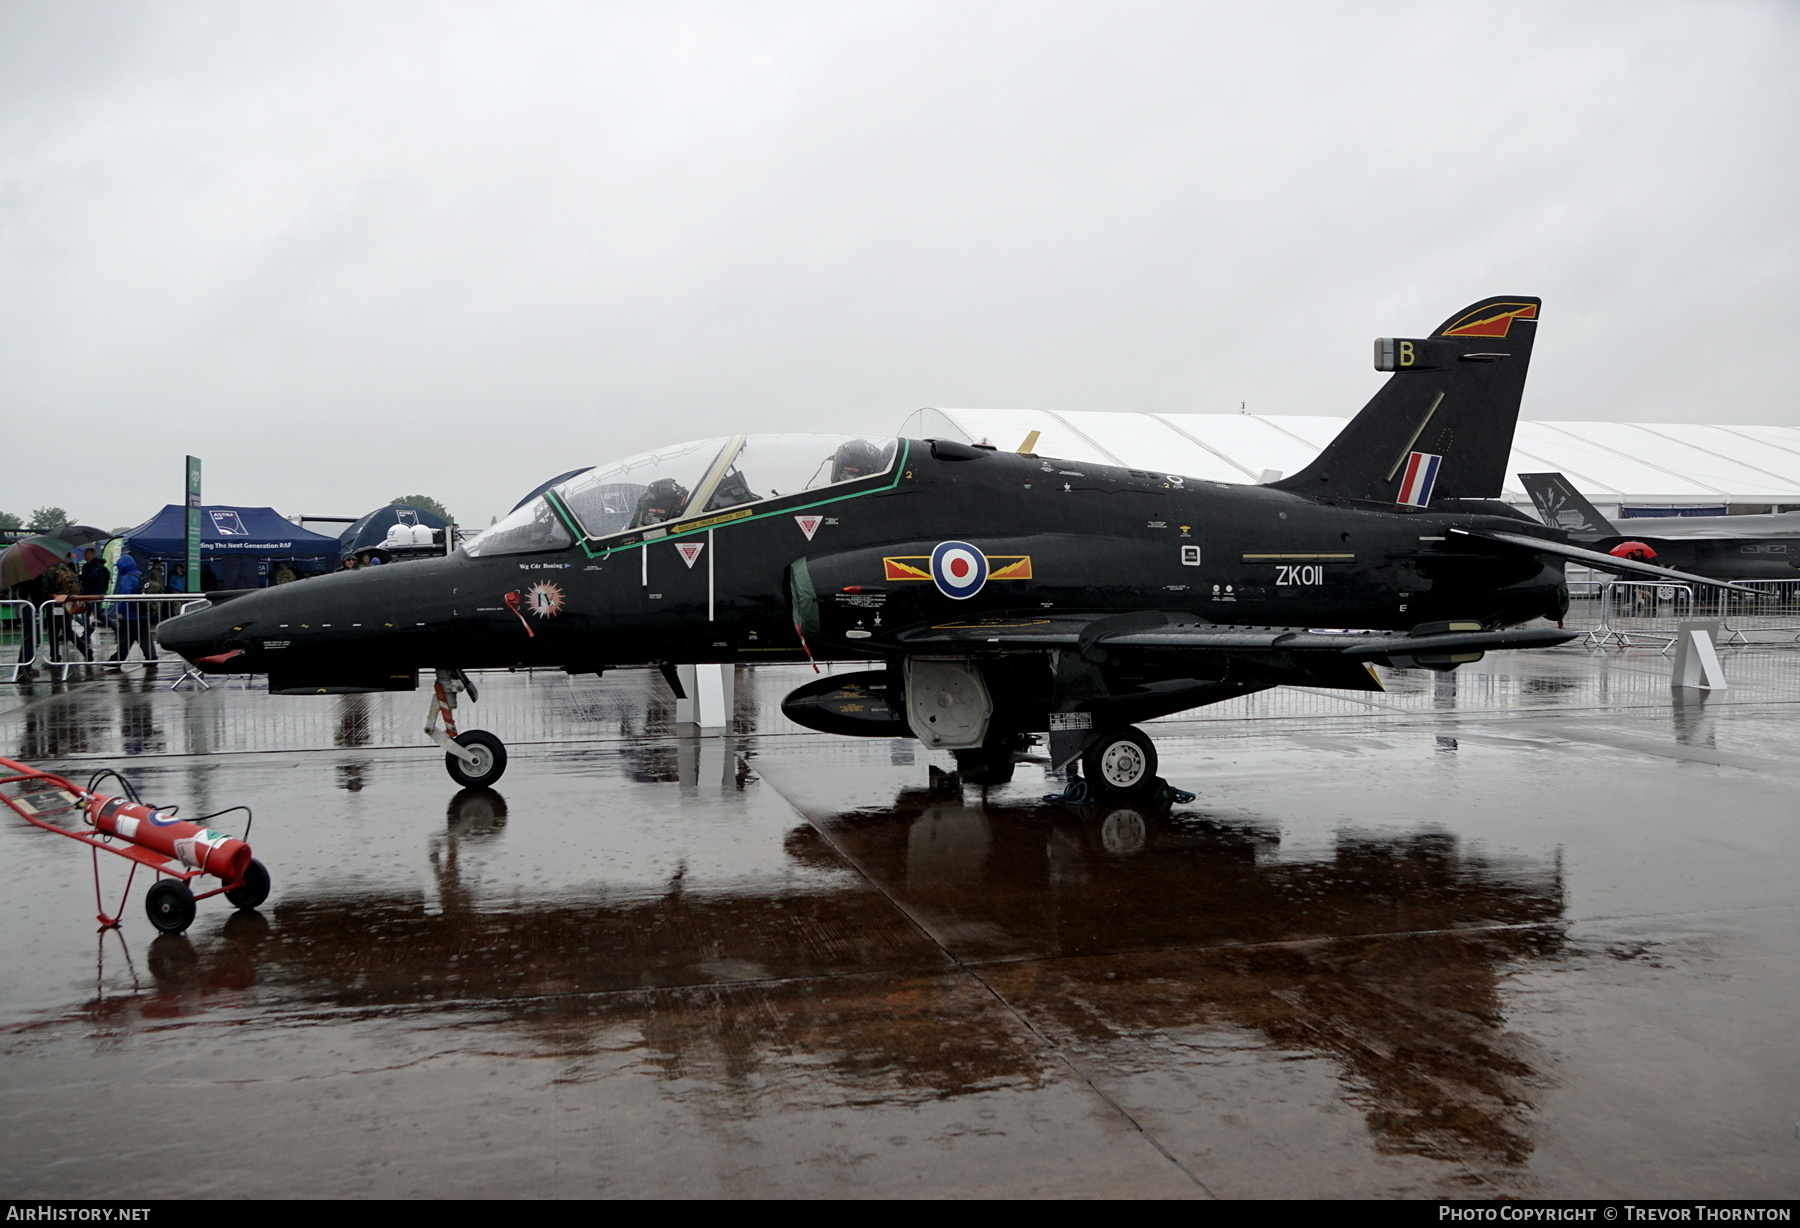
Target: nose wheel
[
  {"x": 482, "y": 764},
  {"x": 474, "y": 759},
  {"x": 1120, "y": 762}
]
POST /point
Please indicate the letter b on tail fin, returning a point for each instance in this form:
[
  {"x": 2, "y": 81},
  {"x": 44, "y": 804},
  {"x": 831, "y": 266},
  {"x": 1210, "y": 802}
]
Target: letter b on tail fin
[{"x": 1442, "y": 425}]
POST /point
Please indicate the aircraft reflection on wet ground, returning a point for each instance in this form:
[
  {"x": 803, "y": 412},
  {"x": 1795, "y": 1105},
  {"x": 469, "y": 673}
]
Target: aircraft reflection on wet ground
[
  {"x": 1418, "y": 1025},
  {"x": 792, "y": 964}
]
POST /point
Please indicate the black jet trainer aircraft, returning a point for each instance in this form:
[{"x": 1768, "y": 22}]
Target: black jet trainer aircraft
[
  {"x": 1000, "y": 594},
  {"x": 1765, "y": 547}
]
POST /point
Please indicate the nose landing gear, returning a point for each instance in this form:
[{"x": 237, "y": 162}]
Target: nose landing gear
[
  {"x": 475, "y": 758},
  {"x": 486, "y": 761}
]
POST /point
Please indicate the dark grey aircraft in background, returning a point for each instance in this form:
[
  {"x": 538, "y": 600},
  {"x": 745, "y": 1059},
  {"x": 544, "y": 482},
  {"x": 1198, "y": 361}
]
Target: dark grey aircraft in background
[
  {"x": 1723, "y": 547},
  {"x": 995, "y": 595}
]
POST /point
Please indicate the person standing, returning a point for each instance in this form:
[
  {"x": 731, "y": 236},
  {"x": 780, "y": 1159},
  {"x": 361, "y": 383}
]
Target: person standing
[
  {"x": 70, "y": 621},
  {"x": 134, "y": 627},
  {"x": 95, "y": 580},
  {"x": 31, "y": 592},
  {"x": 94, "y": 576}
]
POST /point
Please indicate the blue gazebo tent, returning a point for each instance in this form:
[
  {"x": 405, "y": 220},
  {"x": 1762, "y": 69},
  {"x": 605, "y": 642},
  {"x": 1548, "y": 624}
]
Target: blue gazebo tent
[{"x": 239, "y": 545}]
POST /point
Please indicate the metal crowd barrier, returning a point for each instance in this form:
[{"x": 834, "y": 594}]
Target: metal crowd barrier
[
  {"x": 1777, "y": 612},
  {"x": 99, "y": 630},
  {"x": 18, "y": 636},
  {"x": 1633, "y": 611}
]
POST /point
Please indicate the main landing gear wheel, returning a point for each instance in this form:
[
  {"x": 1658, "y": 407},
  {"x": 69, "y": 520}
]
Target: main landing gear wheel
[
  {"x": 1123, "y": 761},
  {"x": 171, "y": 905},
  {"x": 489, "y": 764},
  {"x": 255, "y": 889}
]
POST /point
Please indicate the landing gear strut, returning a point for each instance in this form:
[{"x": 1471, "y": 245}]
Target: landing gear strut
[
  {"x": 475, "y": 758},
  {"x": 985, "y": 765},
  {"x": 992, "y": 763}
]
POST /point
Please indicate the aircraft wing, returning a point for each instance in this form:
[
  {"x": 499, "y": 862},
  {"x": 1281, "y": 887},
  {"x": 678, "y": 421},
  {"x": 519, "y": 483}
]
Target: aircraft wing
[
  {"x": 1604, "y": 562},
  {"x": 1155, "y": 630}
]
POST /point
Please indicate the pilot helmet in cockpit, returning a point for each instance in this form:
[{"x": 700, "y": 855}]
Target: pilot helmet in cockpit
[
  {"x": 855, "y": 458},
  {"x": 662, "y": 500}
]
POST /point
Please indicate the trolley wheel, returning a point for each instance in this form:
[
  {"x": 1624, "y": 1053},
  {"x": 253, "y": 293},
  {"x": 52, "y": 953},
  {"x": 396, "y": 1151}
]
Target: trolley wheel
[
  {"x": 255, "y": 889},
  {"x": 170, "y": 904},
  {"x": 1122, "y": 761},
  {"x": 490, "y": 759}
]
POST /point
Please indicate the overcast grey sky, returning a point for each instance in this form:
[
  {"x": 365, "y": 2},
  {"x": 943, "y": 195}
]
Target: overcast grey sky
[{"x": 345, "y": 252}]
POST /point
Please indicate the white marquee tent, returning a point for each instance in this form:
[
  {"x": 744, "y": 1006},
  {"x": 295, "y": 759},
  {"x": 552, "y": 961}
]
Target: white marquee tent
[{"x": 1622, "y": 467}]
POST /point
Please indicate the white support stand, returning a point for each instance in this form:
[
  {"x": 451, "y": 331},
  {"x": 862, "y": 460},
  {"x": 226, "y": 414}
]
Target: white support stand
[
  {"x": 191, "y": 675},
  {"x": 709, "y": 698},
  {"x": 1697, "y": 658}
]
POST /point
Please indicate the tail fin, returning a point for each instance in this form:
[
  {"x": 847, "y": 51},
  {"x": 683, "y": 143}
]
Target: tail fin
[
  {"x": 1561, "y": 506},
  {"x": 1442, "y": 426}
]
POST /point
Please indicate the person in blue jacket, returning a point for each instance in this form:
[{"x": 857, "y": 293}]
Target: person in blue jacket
[{"x": 134, "y": 619}]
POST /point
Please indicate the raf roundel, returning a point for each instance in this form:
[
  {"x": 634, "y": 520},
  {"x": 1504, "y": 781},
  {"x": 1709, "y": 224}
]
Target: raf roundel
[{"x": 958, "y": 569}]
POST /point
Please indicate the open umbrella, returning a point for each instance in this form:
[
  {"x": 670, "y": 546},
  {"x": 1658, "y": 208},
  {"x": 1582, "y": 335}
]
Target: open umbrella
[{"x": 31, "y": 557}]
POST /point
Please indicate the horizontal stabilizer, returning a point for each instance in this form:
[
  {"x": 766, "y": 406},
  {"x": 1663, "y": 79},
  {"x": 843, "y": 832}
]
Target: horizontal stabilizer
[{"x": 1603, "y": 562}]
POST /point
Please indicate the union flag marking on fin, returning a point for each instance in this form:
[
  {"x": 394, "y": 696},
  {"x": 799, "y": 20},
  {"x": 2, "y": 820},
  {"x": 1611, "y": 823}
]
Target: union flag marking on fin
[
  {"x": 1421, "y": 477},
  {"x": 1494, "y": 320},
  {"x": 690, "y": 551},
  {"x": 809, "y": 524}
]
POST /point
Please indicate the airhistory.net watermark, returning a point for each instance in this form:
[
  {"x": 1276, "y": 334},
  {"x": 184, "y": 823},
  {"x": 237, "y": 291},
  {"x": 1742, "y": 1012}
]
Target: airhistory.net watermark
[{"x": 51, "y": 1213}]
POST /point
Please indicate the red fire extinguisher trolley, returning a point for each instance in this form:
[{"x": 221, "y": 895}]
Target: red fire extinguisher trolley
[{"x": 178, "y": 850}]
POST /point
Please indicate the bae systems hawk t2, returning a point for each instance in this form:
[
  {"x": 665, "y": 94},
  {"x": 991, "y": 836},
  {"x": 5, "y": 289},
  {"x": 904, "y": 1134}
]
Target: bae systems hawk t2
[{"x": 995, "y": 595}]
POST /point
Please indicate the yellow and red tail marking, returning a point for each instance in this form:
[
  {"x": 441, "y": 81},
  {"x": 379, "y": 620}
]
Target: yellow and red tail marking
[{"x": 1494, "y": 320}]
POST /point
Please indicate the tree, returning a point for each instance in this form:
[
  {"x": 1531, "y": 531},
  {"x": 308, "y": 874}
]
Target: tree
[
  {"x": 423, "y": 502},
  {"x": 49, "y": 519},
  {"x": 10, "y": 521}
]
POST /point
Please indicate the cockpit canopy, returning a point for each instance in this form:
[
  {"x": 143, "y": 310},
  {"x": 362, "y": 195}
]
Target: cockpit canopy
[{"x": 684, "y": 482}]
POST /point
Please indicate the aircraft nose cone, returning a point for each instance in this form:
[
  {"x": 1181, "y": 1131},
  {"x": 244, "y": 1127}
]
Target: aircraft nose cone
[{"x": 197, "y": 635}]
